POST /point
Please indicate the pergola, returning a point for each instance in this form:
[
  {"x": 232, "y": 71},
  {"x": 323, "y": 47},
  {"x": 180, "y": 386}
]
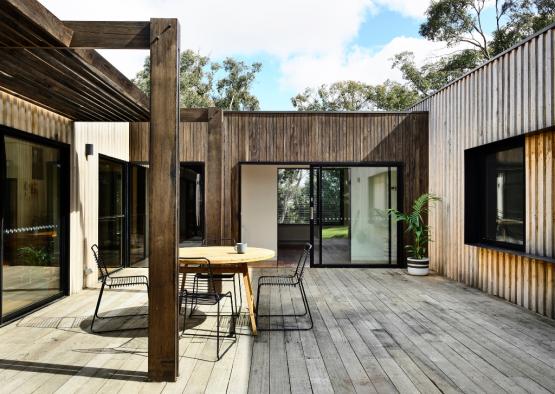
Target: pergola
[{"x": 53, "y": 64}]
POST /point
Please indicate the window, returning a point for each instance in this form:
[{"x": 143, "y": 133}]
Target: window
[
  {"x": 494, "y": 194},
  {"x": 293, "y": 196}
]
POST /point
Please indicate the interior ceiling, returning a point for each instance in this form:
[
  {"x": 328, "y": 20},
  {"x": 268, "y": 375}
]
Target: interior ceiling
[{"x": 76, "y": 83}]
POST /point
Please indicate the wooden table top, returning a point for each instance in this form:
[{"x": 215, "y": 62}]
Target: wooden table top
[{"x": 226, "y": 254}]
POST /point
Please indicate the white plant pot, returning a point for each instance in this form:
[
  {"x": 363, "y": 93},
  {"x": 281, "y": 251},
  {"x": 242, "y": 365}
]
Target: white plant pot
[{"x": 419, "y": 267}]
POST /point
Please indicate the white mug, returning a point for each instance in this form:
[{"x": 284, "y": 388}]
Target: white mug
[{"x": 241, "y": 248}]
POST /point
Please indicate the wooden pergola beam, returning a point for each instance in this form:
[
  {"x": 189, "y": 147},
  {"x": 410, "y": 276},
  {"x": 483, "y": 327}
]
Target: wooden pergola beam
[
  {"x": 109, "y": 35},
  {"x": 42, "y": 19},
  {"x": 163, "y": 344}
]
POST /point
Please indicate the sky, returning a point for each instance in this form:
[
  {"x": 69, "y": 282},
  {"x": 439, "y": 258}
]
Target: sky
[{"x": 301, "y": 43}]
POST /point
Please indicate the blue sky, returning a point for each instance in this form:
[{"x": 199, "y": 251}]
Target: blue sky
[{"x": 301, "y": 43}]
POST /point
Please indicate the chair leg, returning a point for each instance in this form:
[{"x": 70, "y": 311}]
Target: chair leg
[
  {"x": 235, "y": 293},
  {"x": 218, "y": 331},
  {"x": 184, "y": 316},
  {"x": 257, "y": 300},
  {"x": 95, "y": 316},
  {"x": 195, "y": 290},
  {"x": 232, "y": 324},
  {"x": 305, "y": 301},
  {"x": 240, "y": 294}
]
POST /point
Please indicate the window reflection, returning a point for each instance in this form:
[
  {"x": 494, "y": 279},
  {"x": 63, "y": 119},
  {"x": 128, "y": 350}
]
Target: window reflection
[
  {"x": 31, "y": 249},
  {"x": 505, "y": 196}
]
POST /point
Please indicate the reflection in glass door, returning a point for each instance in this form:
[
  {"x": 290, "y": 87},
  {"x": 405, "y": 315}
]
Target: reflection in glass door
[
  {"x": 191, "y": 200},
  {"x": 33, "y": 230},
  {"x": 350, "y": 225},
  {"x": 112, "y": 211},
  {"x": 138, "y": 215}
]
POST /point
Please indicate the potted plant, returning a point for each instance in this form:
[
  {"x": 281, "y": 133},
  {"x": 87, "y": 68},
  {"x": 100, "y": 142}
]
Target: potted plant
[{"x": 418, "y": 261}]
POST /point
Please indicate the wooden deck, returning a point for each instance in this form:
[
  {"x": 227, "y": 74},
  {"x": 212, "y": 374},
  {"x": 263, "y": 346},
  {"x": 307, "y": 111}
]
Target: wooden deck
[{"x": 376, "y": 330}]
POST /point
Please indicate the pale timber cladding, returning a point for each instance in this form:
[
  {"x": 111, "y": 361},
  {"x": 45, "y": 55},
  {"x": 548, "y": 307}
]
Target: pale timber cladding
[
  {"x": 292, "y": 137},
  {"x": 509, "y": 96},
  {"x": 24, "y": 116}
]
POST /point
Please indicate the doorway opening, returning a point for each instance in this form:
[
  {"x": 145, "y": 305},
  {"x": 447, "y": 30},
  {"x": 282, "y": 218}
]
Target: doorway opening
[
  {"x": 191, "y": 204},
  {"x": 34, "y": 221}
]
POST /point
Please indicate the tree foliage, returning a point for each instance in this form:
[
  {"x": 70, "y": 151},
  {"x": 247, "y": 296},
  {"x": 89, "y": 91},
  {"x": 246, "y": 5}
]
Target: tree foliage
[
  {"x": 458, "y": 22},
  {"x": 234, "y": 89},
  {"x": 355, "y": 96},
  {"x": 204, "y": 83}
]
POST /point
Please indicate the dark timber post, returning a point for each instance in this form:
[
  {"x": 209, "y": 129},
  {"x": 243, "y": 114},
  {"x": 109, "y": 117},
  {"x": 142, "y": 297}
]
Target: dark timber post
[{"x": 163, "y": 196}]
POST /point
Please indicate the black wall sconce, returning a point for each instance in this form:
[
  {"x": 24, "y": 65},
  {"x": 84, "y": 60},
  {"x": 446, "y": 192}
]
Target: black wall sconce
[{"x": 89, "y": 150}]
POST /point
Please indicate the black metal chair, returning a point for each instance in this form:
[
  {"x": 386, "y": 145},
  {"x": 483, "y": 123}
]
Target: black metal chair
[
  {"x": 210, "y": 296},
  {"x": 294, "y": 280},
  {"x": 113, "y": 282},
  {"x": 222, "y": 277}
]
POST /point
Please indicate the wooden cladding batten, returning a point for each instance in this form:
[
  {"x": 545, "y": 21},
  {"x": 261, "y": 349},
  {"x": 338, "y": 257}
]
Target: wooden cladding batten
[
  {"x": 297, "y": 137},
  {"x": 510, "y": 96}
]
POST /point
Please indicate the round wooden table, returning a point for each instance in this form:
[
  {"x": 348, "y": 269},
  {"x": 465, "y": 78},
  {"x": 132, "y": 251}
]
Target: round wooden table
[{"x": 224, "y": 259}]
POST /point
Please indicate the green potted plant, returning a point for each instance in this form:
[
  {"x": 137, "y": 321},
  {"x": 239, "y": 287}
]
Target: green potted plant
[{"x": 418, "y": 262}]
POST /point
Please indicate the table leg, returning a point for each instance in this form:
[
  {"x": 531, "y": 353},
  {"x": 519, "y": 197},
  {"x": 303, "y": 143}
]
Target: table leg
[{"x": 249, "y": 297}]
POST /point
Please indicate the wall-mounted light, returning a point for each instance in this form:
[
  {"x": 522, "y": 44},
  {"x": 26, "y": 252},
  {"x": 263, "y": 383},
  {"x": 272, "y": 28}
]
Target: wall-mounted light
[{"x": 89, "y": 150}]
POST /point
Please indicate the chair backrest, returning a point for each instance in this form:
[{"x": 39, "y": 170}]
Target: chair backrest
[
  {"x": 102, "y": 269},
  {"x": 204, "y": 263},
  {"x": 218, "y": 242},
  {"x": 299, "y": 271}
]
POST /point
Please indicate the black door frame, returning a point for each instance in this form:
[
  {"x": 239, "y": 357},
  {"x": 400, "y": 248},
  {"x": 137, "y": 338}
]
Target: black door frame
[
  {"x": 64, "y": 219},
  {"x": 126, "y": 189},
  {"x": 400, "y": 195},
  {"x": 400, "y": 247},
  {"x": 202, "y": 165}
]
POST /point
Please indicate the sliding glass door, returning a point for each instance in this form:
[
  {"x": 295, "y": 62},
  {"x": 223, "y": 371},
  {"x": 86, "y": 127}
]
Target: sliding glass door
[
  {"x": 34, "y": 206},
  {"x": 138, "y": 215},
  {"x": 350, "y": 225},
  {"x": 191, "y": 204},
  {"x": 112, "y": 211}
]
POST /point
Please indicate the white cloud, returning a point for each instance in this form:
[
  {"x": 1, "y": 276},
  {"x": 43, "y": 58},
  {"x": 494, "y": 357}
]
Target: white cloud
[
  {"x": 409, "y": 8},
  {"x": 312, "y": 39},
  {"x": 358, "y": 63},
  {"x": 223, "y": 27}
]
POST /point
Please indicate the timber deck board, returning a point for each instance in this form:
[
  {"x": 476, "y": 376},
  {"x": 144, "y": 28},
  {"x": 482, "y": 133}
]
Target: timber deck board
[{"x": 376, "y": 330}]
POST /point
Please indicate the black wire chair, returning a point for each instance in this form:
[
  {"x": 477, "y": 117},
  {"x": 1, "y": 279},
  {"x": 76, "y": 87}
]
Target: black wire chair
[
  {"x": 112, "y": 282},
  {"x": 222, "y": 277},
  {"x": 294, "y": 280},
  {"x": 205, "y": 296}
]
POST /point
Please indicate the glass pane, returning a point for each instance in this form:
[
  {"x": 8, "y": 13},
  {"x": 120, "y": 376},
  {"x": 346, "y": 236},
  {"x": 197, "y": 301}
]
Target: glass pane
[
  {"x": 315, "y": 215},
  {"x": 370, "y": 224},
  {"x": 31, "y": 264},
  {"x": 354, "y": 222},
  {"x": 335, "y": 216},
  {"x": 293, "y": 196},
  {"x": 393, "y": 205},
  {"x": 111, "y": 218},
  {"x": 191, "y": 209},
  {"x": 138, "y": 216},
  {"x": 505, "y": 196}
]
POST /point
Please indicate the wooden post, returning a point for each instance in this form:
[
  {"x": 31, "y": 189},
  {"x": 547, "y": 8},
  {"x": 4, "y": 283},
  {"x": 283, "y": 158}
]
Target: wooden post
[
  {"x": 214, "y": 178},
  {"x": 163, "y": 196}
]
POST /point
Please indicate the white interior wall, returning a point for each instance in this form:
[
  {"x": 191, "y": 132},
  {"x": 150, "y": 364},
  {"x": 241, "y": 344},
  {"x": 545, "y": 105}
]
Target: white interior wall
[
  {"x": 109, "y": 139},
  {"x": 259, "y": 206}
]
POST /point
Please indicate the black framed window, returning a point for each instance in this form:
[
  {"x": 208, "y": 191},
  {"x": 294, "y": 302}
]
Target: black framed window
[
  {"x": 112, "y": 211},
  {"x": 34, "y": 211},
  {"x": 495, "y": 194}
]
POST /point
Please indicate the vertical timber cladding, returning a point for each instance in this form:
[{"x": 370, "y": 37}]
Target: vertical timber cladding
[
  {"x": 511, "y": 95},
  {"x": 292, "y": 137},
  {"x": 321, "y": 137}
]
